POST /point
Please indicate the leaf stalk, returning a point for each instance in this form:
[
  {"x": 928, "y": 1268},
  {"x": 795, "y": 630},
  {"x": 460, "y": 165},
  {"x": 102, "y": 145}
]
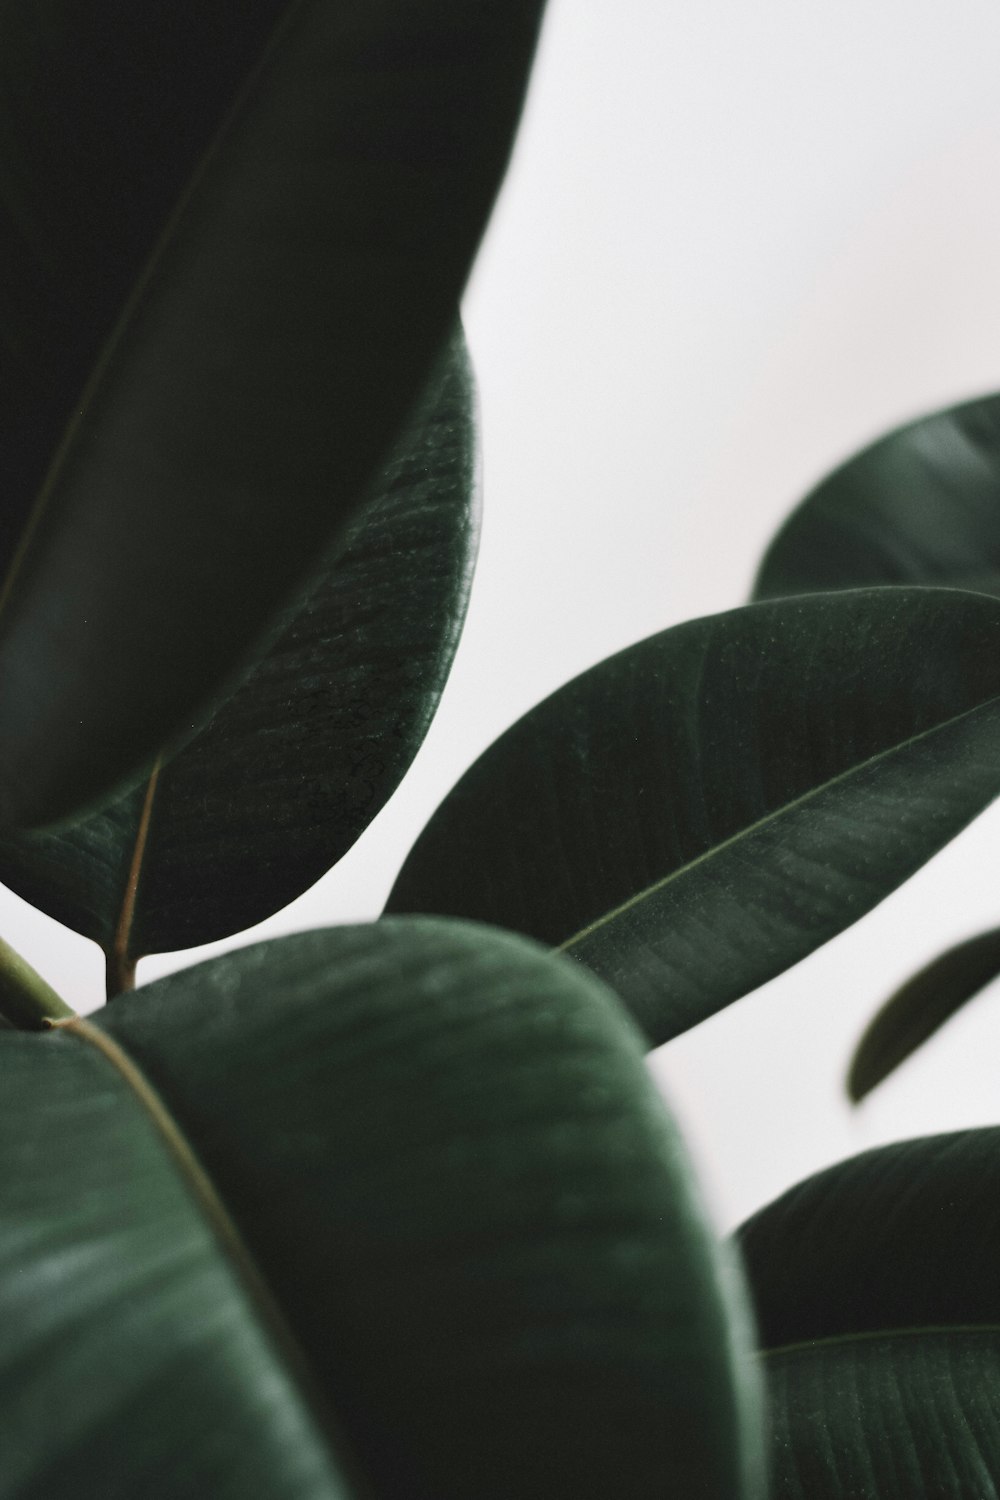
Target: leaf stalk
[{"x": 27, "y": 1001}]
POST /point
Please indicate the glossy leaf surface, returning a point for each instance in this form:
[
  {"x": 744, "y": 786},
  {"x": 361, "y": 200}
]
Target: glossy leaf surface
[
  {"x": 233, "y": 243},
  {"x": 132, "y": 1359},
  {"x": 921, "y": 505},
  {"x": 445, "y": 1157},
  {"x": 697, "y": 813},
  {"x": 879, "y": 1311},
  {"x": 293, "y": 767},
  {"x": 920, "y": 1007}
]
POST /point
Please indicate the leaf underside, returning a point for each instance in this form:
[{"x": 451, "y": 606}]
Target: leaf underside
[
  {"x": 293, "y": 767},
  {"x": 447, "y": 1163},
  {"x": 879, "y": 1315},
  {"x": 697, "y": 813},
  {"x": 233, "y": 246}
]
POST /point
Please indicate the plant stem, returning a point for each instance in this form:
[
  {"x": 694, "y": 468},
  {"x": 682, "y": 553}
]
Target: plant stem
[
  {"x": 27, "y": 1002},
  {"x": 120, "y": 973},
  {"x": 121, "y": 964}
]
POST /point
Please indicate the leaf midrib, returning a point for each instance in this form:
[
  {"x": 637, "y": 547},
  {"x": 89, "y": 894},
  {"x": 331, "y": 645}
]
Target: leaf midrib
[
  {"x": 779, "y": 812},
  {"x": 121, "y": 960},
  {"x": 211, "y": 1207}
]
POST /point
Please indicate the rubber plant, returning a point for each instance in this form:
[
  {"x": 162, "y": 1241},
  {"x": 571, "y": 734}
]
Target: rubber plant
[{"x": 394, "y": 1210}]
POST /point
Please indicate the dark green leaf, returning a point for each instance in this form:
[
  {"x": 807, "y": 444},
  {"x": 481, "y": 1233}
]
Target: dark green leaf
[
  {"x": 294, "y": 766},
  {"x": 133, "y": 1359},
  {"x": 879, "y": 1311},
  {"x": 922, "y": 505},
  {"x": 460, "y": 1190},
  {"x": 920, "y": 1006},
  {"x": 233, "y": 240},
  {"x": 697, "y": 813}
]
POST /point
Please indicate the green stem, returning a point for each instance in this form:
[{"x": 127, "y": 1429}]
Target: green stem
[{"x": 26, "y": 1001}]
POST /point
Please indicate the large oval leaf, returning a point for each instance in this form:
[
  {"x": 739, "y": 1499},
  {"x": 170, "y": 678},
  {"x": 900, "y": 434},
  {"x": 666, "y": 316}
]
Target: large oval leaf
[
  {"x": 469, "y": 1222},
  {"x": 876, "y": 1290},
  {"x": 294, "y": 766},
  {"x": 134, "y": 1357},
  {"x": 697, "y": 813},
  {"x": 921, "y": 505},
  {"x": 233, "y": 243},
  {"x": 920, "y": 1007}
]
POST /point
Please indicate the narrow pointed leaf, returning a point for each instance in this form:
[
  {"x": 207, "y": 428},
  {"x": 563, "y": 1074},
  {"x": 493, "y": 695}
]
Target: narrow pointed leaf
[
  {"x": 233, "y": 243},
  {"x": 877, "y": 1298},
  {"x": 920, "y": 1007},
  {"x": 459, "y": 1188},
  {"x": 921, "y": 505},
  {"x": 697, "y": 813},
  {"x": 294, "y": 766}
]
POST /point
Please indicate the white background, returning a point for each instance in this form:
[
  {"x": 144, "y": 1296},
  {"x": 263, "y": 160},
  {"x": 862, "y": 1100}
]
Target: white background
[{"x": 736, "y": 243}]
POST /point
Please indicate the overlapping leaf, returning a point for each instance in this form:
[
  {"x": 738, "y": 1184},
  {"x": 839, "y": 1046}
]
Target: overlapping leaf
[
  {"x": 133, "y": 1360},
  {"x": 922, "y": 505},
  {"x": 436, "y": 1222},
  {"x": 700, "y": 811},
  {"x": 233, "y": 241},
  {"x": 294, "y": 766},
  {"x": 877, "y": 1298}
]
